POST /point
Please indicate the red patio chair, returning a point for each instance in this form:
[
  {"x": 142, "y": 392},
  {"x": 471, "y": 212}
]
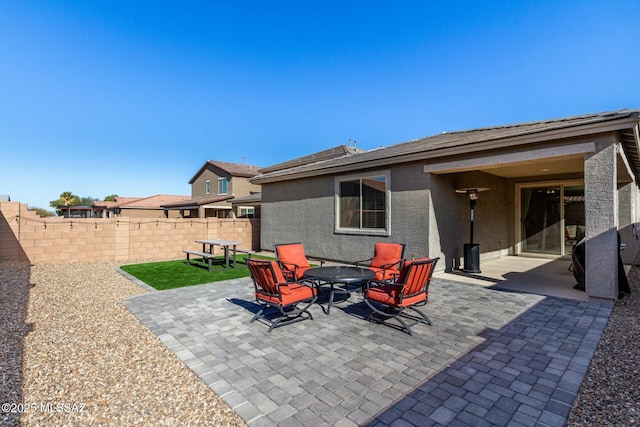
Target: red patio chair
[
  {"x": 387, "y": 260},
  {"x": 293, "y": 260},
  {"x": 273, "y": 291},
  {"x": 389, "y": 299}
]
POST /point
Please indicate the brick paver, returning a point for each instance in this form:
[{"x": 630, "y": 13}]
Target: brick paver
[{"x": 491, "y": 358}]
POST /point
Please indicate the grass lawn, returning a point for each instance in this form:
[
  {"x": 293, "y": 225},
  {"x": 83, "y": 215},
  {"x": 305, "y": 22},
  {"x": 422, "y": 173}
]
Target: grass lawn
[{"x": 177, "y": 274}]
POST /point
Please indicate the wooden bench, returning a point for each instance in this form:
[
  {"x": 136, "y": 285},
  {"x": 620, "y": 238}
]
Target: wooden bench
[{"x": 204, "y": 255}]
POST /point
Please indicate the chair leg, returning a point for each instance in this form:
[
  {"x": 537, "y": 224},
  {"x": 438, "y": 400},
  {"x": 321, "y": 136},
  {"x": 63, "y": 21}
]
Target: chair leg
[
  {"x": 406, "y": 326},
  {"x": 274, "y": 324},
  {"x": 258, "y": 314},
  {"x": 397, "y": 314},
  {"x": 424, "y": 316},
  {"x": 286, "y": 317}
]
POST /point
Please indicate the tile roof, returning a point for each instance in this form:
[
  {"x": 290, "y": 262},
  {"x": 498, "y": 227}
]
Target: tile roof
[
  {"x": 198, "y": 201},
  {"x": 157, "y": 201},
  {"x": 236, "y": 169},
  {"x": 233, "y": 169},
  {"x": 251, "y": 198},
  {"x": 119, "y": 201},
  {"x": 462, "y": 142},
  {"x": 331, "y": 153}
]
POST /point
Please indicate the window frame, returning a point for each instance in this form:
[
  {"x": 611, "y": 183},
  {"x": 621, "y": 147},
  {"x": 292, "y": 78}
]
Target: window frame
[
  {"x": 207, "y": 187},
  {"x": 226, "y": 184},
  {"x": 249, "y": 211},
  {"x": 386, "y": 231}
]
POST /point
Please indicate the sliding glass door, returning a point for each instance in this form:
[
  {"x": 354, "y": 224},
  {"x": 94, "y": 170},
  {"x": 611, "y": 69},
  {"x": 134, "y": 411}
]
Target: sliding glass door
[{"x": 551, "y": 218}]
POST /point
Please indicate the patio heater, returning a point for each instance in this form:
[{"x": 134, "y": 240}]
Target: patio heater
[{"x": 471, "y": 250}]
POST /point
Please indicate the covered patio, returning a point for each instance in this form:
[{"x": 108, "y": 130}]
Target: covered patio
[{"x": 542, "y": 276}]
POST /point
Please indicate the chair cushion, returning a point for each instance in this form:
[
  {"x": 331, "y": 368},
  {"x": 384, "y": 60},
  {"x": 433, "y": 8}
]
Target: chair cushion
[
  {"x": 385, "y": 274},
  {"x": 291, "y": 256},
  {"x": 390, "y": 295},
  {"x": 267, "y": 275},
  {"x": 295, "y": 293},
  {"x": 405, "y": 268},
  {"x": 386, "y": 253},
  {"x": 279, "y": 276}
]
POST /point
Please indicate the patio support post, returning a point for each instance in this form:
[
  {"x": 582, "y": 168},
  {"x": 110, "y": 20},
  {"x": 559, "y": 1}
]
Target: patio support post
[{"x": 601, "y": 214}]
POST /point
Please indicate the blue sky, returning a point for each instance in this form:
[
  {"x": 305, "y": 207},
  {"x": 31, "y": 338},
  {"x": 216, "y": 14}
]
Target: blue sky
[{"x": 133, "y": 97}]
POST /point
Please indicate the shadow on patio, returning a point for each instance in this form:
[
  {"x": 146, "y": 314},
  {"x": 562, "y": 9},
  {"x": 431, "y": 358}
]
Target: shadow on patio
[
  {"x": 529, "y": 371},
  {"x": 542, "y": 276}
]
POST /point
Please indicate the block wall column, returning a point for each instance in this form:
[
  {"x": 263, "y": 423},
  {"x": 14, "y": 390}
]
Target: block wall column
[{"x": 601, "y": 211}]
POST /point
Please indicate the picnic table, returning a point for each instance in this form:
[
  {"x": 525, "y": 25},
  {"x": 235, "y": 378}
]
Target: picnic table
[{"x": 229, "y": 247}]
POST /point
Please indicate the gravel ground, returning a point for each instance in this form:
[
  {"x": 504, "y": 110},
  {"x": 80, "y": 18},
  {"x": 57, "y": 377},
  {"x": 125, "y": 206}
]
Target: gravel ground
[
  {"x": 14, "y": 294},
  {"x": 610, "y": 392},
  {"x": 89, "y": 361},
  {"x": 86, "y": 360}
]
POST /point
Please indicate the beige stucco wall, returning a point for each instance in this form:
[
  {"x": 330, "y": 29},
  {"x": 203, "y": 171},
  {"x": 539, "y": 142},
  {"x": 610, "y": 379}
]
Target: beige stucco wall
[
  {"x": 198, "y": 185},
  {"x": 25, "y": 236},
  {"x": 241, "y": 187},
  {"x": 238, "y": 186}
]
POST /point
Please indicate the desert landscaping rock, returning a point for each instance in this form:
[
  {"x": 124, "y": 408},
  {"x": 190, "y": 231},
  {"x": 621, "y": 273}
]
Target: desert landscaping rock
[{"x": 89, "y": 361}]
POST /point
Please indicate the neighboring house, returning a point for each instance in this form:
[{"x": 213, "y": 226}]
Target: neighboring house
[
  {"x": 141, "y": 207},
  {"x": 214, "y": 187},
  {"x": 247, "y": 206},
  {"x": 546, "y": 181},
  {"x": 250, "y": 206},
  {"x": 81, "y": 211}
]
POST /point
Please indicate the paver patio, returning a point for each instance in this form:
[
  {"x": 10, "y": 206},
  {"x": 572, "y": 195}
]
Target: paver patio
[{"x": 492, "y": 357}]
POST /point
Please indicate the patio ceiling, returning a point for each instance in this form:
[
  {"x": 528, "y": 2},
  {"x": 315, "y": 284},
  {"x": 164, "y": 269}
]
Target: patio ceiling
[
  {"x": 568, "y": 165},
  {"x": 571, "y": 165}
]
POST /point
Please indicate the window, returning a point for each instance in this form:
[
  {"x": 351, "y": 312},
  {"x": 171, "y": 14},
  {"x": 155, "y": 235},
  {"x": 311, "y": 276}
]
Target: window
[
  {"x": 247, "y": 212},
  {"x": 222, "y": 185},
  {"x": 363, "y": 204},
  {"x": 207, "y": 187}
]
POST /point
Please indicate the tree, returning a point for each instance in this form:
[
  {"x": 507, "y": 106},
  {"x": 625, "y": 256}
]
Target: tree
[
  {"x": 111, "y": 198},
  {"x": 87, "y": 201},
  {"x": 67, "y": 198},
  {"x": 42, "y": 213}
]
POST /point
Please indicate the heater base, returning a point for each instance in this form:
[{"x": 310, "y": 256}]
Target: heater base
[{"x": 471, "y": 258}]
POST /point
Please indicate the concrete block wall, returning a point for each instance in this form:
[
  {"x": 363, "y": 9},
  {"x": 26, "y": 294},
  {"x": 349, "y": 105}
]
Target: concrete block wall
[
  {"x": 25, "y": 236},
  {"x": 9, "y": 228}
]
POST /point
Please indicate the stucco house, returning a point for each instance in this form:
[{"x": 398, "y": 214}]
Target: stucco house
[
  {"x": 213, "y": 188},
  {"x": 547, "y": 183},
  {"x": 253, "y": 201},
  {"x": 141, "y": 207}
]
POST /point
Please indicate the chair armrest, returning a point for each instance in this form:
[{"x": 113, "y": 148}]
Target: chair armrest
[
  {"x": 357, "y": 263},
  {"x": 289, "y": 265},
  {"x": 289, "y": 270},
  {"x": 388, "y": 266},
  {"x": 309, "y": 283},
  {"x": 289, "y": 275},
  {"x": 378, "y": 283}
]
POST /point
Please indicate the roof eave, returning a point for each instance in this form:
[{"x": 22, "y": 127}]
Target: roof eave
[{"x": 579, "y": 130}]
